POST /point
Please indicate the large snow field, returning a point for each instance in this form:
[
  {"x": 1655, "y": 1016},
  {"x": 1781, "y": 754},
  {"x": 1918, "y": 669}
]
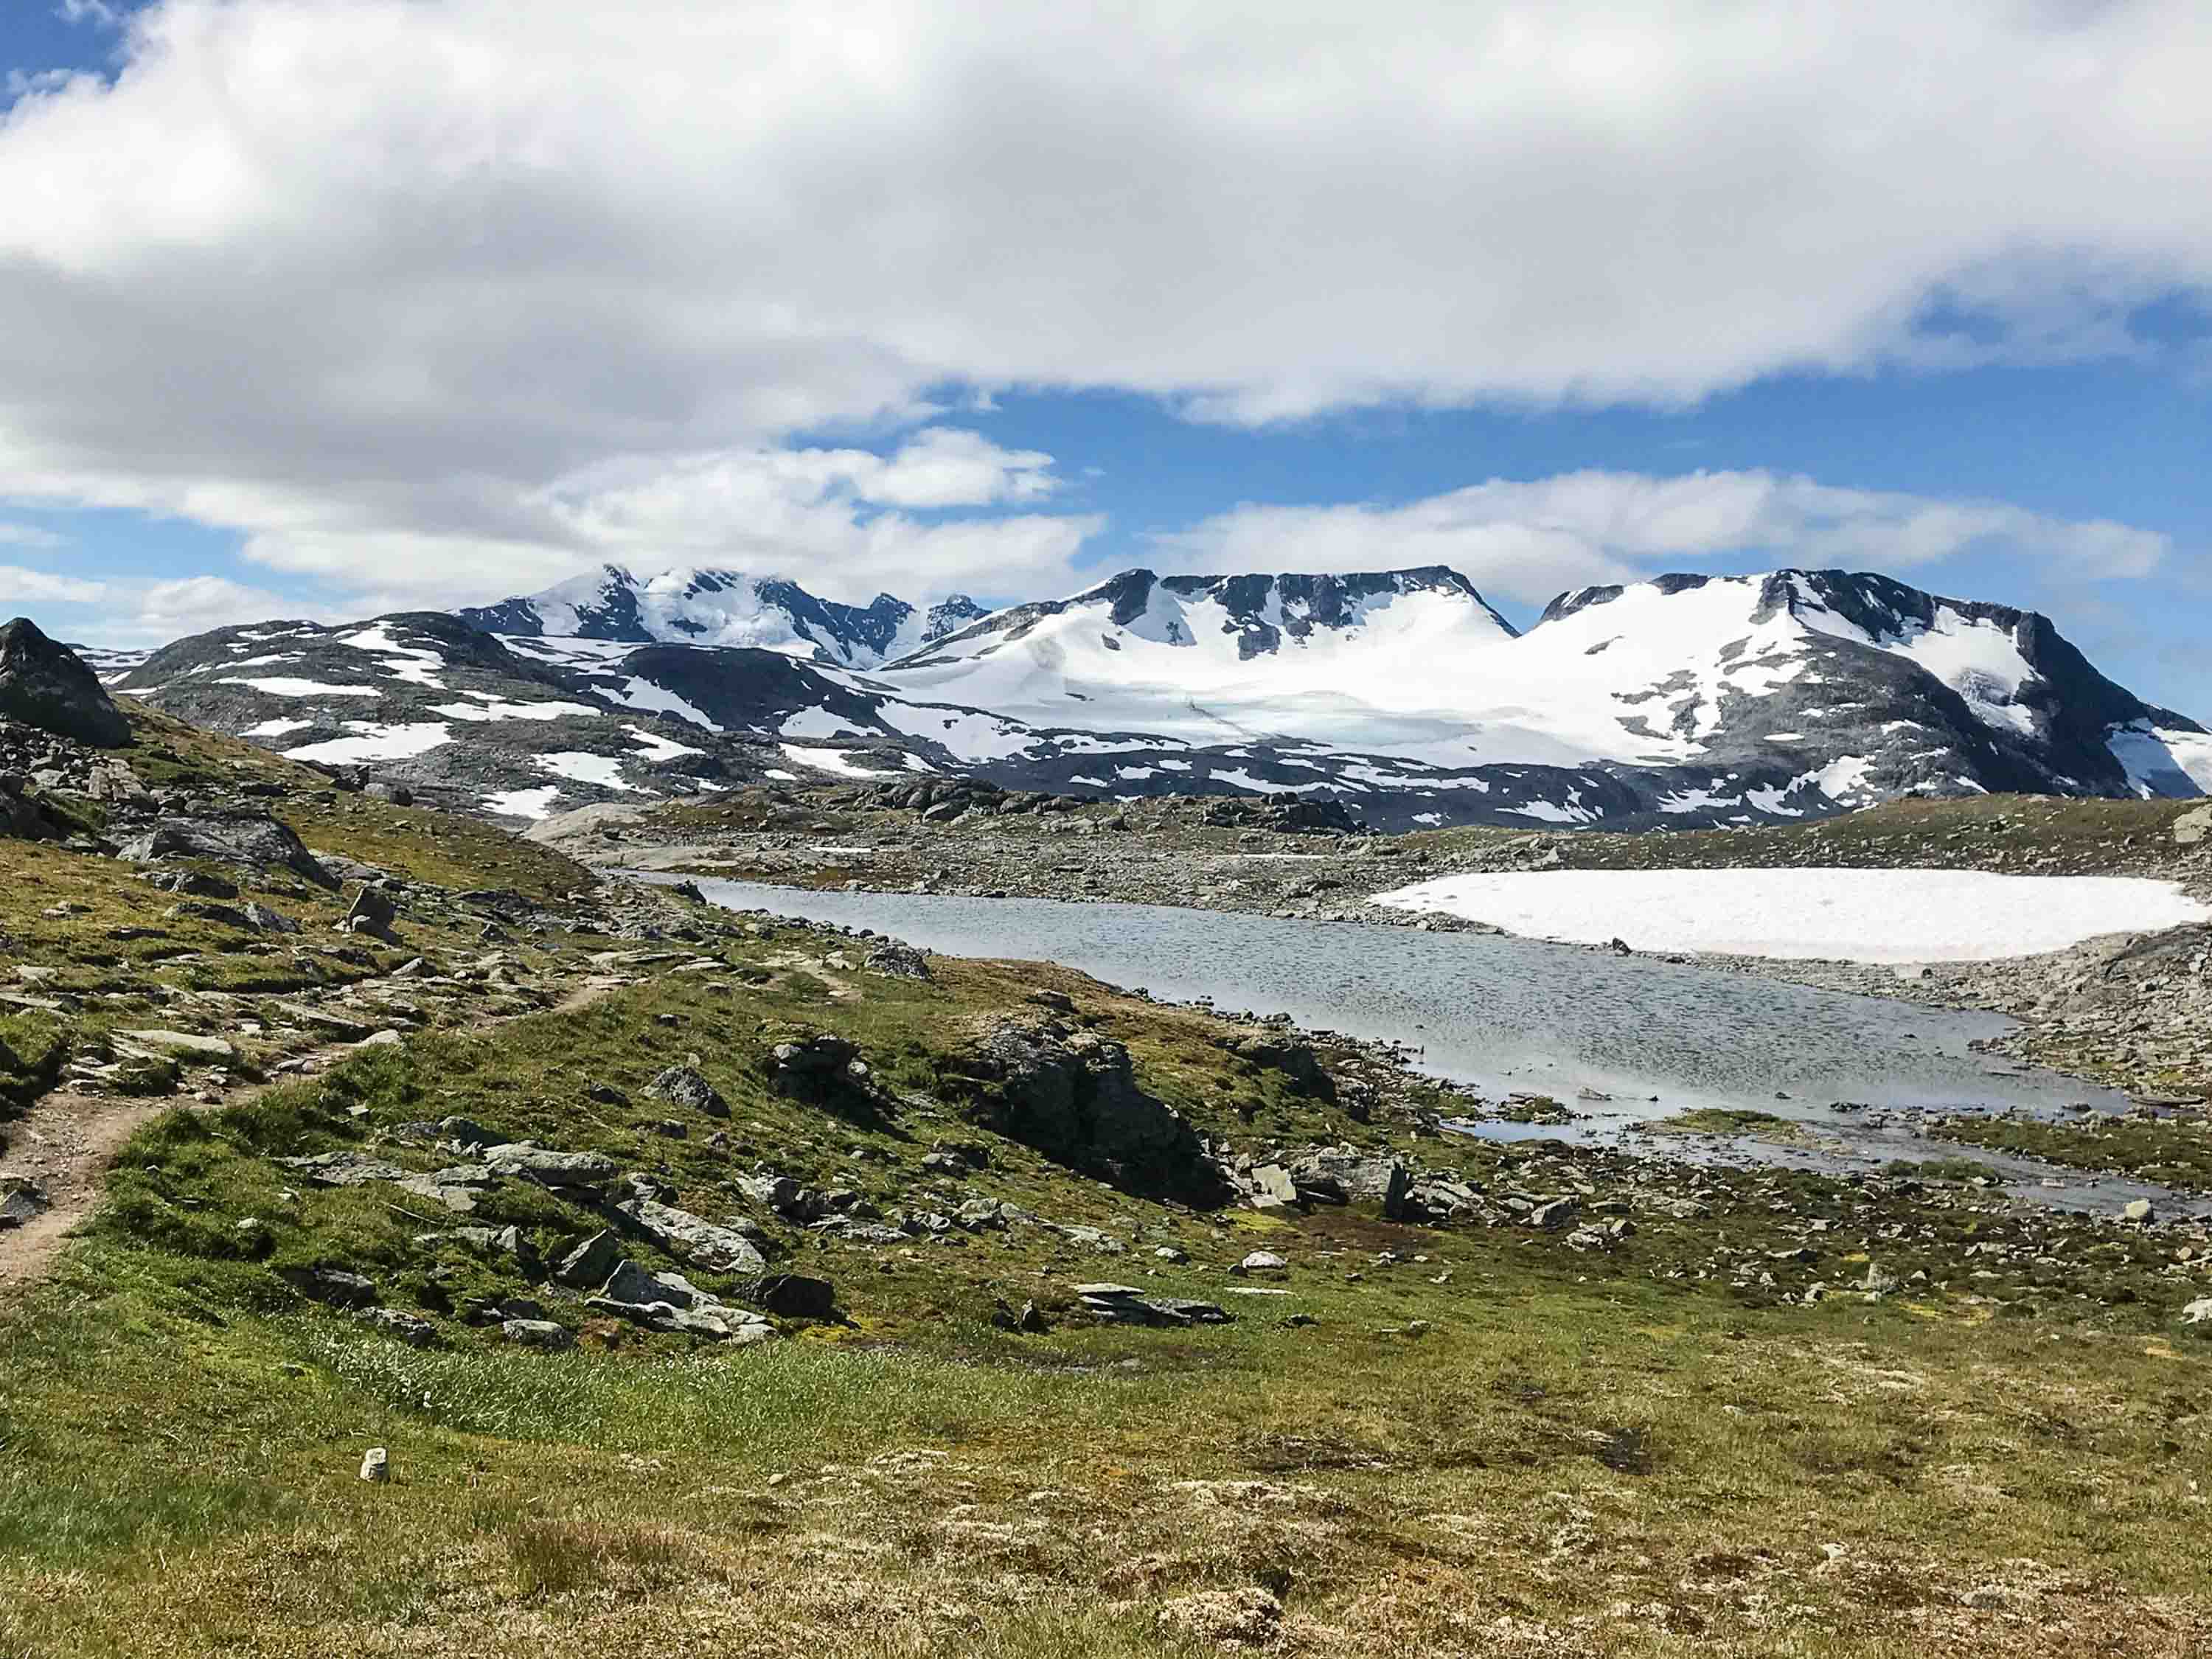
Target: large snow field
[{"x": 1859, "y": 916}]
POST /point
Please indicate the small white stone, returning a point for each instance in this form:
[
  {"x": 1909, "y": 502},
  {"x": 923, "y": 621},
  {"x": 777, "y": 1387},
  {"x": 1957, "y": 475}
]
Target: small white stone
[{"x": 376, "y": 1464}]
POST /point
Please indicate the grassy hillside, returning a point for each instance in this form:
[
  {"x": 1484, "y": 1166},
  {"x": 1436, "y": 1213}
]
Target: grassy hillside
[
  {"x": 1439, "y": 1441},
  {"x": 1620, "y": 1406}
]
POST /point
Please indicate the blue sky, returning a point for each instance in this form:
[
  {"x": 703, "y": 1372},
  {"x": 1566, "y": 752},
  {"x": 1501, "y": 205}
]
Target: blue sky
[{"x": 333, "y": 306}]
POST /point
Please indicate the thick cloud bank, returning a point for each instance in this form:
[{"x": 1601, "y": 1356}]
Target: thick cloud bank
[{"x": 414, "y": 288}]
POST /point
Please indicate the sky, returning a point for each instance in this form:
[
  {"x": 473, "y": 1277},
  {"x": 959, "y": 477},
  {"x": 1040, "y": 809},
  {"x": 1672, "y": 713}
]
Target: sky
[{"x": 328, "y": 307}]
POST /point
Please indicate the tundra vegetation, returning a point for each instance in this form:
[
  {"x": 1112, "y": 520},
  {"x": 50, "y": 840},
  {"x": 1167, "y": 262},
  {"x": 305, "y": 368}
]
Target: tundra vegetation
[{"x": 714, "y": 1285}]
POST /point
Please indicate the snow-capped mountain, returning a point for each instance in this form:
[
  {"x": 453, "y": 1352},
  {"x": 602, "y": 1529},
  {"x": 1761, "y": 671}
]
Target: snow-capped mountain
[
  {"x": 1778, "y": 694},
  {"x": 1224, "y": 658},
  {"x": 1682, "y": 702},
  {"x": 724, "y": 607}
]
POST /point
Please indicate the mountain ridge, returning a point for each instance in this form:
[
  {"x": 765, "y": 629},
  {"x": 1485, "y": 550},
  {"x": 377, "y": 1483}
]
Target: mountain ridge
[
  {"x": 1681, "y": 701},
  {"x": 692, "y": 606}
]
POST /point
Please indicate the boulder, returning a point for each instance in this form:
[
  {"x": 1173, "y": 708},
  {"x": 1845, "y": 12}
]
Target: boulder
[
  {"x": 347, "y": 1169},
  {"x": 571, "y": 1172},
  {"x": 1340, "y": 1175},
  {"x": 683, "y": 1086},
  {"x": 1271, "y": 1188},
  {"x": 248, "y": 840},
  {"x": 1295, "y": 1061},
  {"x": 1123, "y": 1304},
  {"x": 896, "y": 961},
  {"x": 189, "y": 1045},
  {"x": 468, "y": 1134},
  {"x": 630, "y": 1283},
  {"x": 413, "y": 1329},
  {"x": 794, "y": 1296},
  {"x": 693, "y": 1238},
  {"x": 336, "y": 1287},
  {"x": 815, "y": 1068},
  {"x": 510, "y": 1242},
  {"x": 373, "y": 912},
  {"x": 1075, "y": 1095},
  {"x": 48, "y": 685},
  {"x": 592, "y": 1262},
  {"x": 1556, "y": 1215},
  {"x": 536, "y": 1333},
  {"x": 21, "y": 1199},
  {"x": 24, "y": 819},
  {"x": 193, "y": 883}
]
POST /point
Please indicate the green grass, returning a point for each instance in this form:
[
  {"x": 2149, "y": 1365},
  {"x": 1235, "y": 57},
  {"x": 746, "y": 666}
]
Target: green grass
[
  {"x": 1485, "y": 1441},
  {"x": 109, "y": 956},
  {"x": 1942, "y": 1169},
  {"x": 1568, "y": 1449},
  {"x": 2174, "y": 1152}
]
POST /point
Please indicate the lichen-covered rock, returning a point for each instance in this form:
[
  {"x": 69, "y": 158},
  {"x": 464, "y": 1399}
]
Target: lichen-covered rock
[
  {"x": 683, "y": 1085},
  {"x": 693, "y": 1238}
]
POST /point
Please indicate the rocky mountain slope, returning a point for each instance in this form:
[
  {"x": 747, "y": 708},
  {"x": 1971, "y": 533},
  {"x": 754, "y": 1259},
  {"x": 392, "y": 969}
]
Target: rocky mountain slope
[
  {"x": 1681, "y": 703},
  {"x": 726, "y": 608}
]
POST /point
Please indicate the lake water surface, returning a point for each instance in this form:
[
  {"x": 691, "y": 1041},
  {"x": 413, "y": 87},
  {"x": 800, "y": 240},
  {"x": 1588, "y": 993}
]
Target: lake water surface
[
  {"x": 1514, "y": 1015},
  {"x": 1503, "y": 1014}
]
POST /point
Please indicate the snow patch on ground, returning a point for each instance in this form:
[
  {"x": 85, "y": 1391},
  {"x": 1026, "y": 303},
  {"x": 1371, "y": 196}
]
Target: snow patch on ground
[
  {"x": 1858, "y": 915},
  {"x": 415, "y": 664},
  {"x": 828, "y": 759},
  {"x": 658, "y": 748},
  {"x": 646, "y": 698},
  {"x": 524, "y": 803},
  {"x": 371, "y": 741},
  {"x": 2160, "y": 761},
  {"x": 604, "y": 770},
  {"x": 490, "y": 708},
  {"x": 280, "y": 686},
  {"x": 276, "y": 729}
]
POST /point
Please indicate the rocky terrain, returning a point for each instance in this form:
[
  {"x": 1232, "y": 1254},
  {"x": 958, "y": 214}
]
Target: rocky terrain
[{"x": 416, "y": 1241}]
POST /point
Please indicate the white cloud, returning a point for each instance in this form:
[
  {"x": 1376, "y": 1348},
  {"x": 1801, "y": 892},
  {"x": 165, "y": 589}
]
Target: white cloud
[
  {"x": 1530, "y": 539},
  {"x": 28, "y": 535},
  {"x": 166, "y": 610},
  {"x": 368, "y": 280},
  {"x": 19, "y": 585},
  {"x": 131, "y": 611},
  {"x": 809, "y": 513}
]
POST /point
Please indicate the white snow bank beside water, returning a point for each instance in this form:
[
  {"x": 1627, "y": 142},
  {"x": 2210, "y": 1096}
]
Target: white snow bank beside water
[{"x": 1858, "y": 915}]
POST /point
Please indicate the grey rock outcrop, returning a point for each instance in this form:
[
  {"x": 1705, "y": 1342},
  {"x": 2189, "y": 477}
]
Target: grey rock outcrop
[
  {"x": 1075, "y": 1095},
  {"x": 693, "y": 1238},
  {"x": 48, "y": 685},
  {"x": 683, "y": 1085},
  {"x": 249, "y": 841},
  {"x": 591, "y": 1261}
]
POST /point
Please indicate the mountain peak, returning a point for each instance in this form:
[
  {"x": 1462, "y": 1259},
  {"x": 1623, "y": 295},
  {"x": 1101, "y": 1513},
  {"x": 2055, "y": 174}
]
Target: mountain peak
[{"x": 696, "y": 605}]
